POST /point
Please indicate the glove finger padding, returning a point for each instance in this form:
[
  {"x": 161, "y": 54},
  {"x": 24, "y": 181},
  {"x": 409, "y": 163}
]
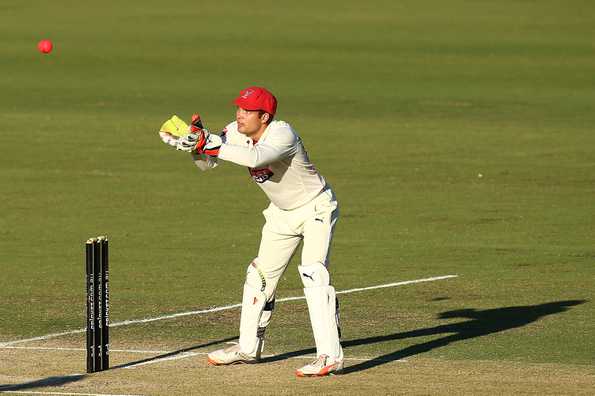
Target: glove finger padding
[
  {"x": 168, "y": 139},
  {"x": 172, "y": 130},
  {"x": 175, "y": 126},
  {"x": 189, "y": 142}
]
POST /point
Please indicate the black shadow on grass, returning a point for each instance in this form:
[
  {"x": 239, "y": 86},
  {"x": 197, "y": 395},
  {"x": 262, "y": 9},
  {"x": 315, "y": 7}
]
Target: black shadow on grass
[
  {"x": 480, "y": 323},
  {"x": 49, "y": 381},
  {"x": 173, "y": 353},
  {"x": 63, "y": 380}
]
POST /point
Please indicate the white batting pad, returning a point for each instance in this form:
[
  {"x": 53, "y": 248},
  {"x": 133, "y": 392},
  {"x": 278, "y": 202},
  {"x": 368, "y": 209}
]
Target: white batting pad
[
  {"x": 252, "y": 305},
  {"x": 321, "y": 305},
  {"x": 314, "y": 275}
]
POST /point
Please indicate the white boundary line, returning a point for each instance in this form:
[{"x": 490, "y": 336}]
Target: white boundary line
[
  {"x": 223, "y": 308},
  {"x": 59, "y": 393}
]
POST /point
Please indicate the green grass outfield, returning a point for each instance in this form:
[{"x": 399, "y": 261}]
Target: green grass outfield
[{"x": 458, "y": 136}]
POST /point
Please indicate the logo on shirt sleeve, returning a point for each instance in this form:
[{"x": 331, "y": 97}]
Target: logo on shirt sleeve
[{"x": 260, "y": 175}]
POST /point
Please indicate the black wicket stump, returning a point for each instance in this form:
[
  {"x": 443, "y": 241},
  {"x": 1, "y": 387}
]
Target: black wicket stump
[{"x": 97, "y": 268}]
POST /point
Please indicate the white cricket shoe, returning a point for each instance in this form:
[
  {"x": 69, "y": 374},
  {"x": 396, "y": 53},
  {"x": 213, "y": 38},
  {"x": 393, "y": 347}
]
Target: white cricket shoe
[
  {"x": 321, "y": 366},
  {"x": 230, "y": 355}
]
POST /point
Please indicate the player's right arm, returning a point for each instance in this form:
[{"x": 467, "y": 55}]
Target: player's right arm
[{"x": 281, "y": 142}]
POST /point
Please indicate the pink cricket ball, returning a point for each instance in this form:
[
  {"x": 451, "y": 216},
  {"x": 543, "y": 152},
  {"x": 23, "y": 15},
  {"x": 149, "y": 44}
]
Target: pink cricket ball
[{"x": 45, "y": 46}]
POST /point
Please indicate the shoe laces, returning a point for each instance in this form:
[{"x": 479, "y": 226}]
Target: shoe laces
[{"x": 320, "y": 361}]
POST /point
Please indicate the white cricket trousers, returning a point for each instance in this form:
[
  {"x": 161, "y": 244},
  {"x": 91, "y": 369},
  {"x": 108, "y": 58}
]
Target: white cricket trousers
[{"x": 313, "y": 222}]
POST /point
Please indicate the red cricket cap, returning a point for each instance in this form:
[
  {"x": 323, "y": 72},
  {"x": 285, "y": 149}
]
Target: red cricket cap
[{"x": 257, "y": 98}]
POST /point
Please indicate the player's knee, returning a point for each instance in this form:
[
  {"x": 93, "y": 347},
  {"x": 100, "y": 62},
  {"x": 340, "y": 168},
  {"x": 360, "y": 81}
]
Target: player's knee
[
  {"x": 314, "y": 275},
  {"x": 257, "y": 278}
]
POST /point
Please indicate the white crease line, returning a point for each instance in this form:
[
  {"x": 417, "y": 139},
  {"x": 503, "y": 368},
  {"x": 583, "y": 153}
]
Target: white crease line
[
  {"x": 403, "y": 283},
  {"x": 175, "y": 357},
  {"x": 60, "y": 393},
  {"x": 45, "y": 337},
  {"x": 191, "y": 354},
  {"x": 35, "y": 348},
  {"x": 223, "y": 308},
  {"x": 355, "y": 359},
  {"x": 182, "y": 355},
  {"x": 136, "y": 351}
]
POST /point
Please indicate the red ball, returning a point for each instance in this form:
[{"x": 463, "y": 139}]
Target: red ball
[{"x": 45, "y": 46}]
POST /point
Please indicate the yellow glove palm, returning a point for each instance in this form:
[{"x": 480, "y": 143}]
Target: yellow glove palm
[
  {"x": 175, "y": 126},
  {"x": 172, "y": 130}
]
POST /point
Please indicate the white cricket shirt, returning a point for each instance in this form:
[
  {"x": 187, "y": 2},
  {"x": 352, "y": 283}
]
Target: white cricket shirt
[{"x": 278, "y": 163}]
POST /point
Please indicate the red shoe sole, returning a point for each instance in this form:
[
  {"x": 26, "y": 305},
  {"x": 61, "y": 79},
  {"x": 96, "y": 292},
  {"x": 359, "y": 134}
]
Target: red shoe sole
[{"x": 324, "y": 372}]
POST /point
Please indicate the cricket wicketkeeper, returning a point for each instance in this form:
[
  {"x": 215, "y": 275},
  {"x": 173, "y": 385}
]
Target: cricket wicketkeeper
[{"x": 303, "y": 206}]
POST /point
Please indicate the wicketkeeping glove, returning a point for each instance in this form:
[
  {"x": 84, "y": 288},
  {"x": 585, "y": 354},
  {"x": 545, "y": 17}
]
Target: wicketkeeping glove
[
  {"x": 201, "y": 143},
  {"x": 172, "y": 130},
  {"x": 200, "y": 140},
  {"x": 187, "y": 142}
]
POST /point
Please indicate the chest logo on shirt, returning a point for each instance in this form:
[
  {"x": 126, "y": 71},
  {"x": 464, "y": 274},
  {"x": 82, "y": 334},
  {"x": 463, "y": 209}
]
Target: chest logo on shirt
[{"x": 260, "y": 175}]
